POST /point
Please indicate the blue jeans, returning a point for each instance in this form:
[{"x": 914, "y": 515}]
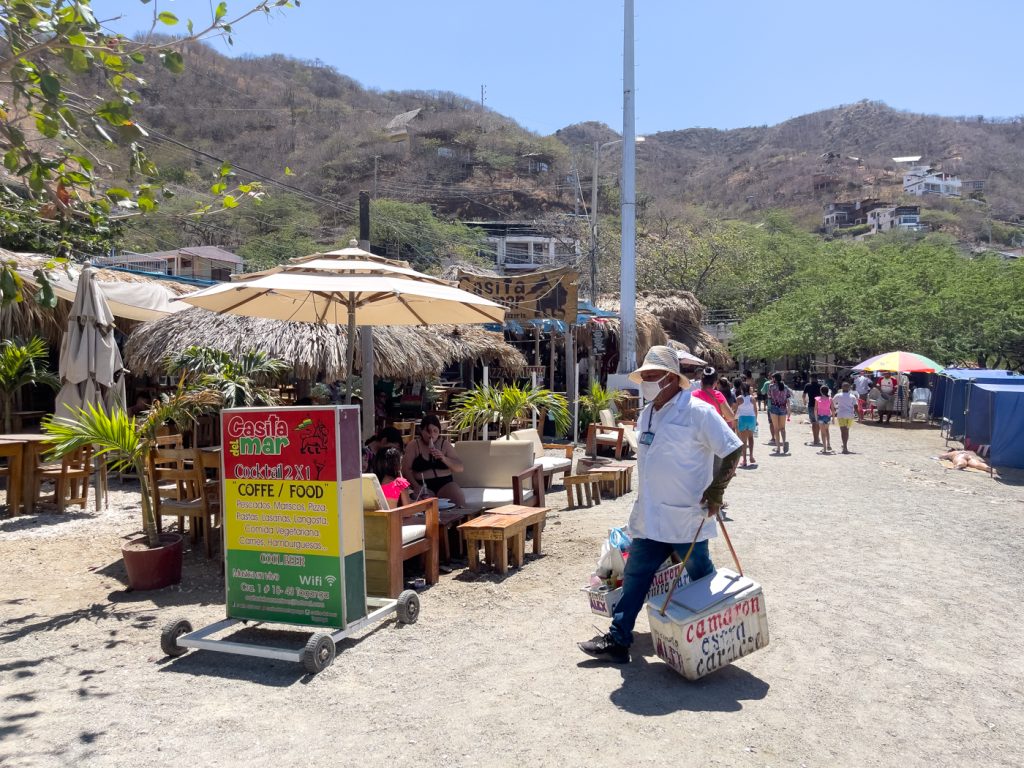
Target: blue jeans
[{"x": 645, "y": 558}]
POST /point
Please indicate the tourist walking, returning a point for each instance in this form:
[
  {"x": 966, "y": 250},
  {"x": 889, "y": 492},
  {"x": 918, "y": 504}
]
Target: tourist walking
[
  {"x": 679, "y": 495},
  {"x": 844, "y": 406},
  {"x": 862, "y": 385},
  {"x": 779, "y": 397},
  {"x": 823, "y": 410},
  {"x": 810, "y": 394},
  {"x": 762, "y": 399},
  {"x": 746, "y": 411}
]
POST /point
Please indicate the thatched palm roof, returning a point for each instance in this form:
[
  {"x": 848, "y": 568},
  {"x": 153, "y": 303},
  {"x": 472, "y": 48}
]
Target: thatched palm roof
[
  {"x": 27, "y": 318},
  {"x": 406, "y": 352},
  {"x": 681, "y": 316}
]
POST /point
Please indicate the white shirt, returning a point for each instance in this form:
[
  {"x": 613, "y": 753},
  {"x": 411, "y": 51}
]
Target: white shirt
[
  {"x": 676, "y": 469},
  {"x": 846, "y": 405},
  {"x": 862, "y": 384}
]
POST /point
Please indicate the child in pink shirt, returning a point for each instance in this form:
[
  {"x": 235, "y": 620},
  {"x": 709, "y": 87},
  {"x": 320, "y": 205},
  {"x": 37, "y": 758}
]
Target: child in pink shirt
[
  {"x": 823, "y": 409},
  {"x": 387, "y": 465}
]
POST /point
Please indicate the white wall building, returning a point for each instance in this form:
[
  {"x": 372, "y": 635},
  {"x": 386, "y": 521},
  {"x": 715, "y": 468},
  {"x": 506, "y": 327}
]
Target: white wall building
[
  {"x": 906, "y": 217},
  {"x": 923, "y": 180}
]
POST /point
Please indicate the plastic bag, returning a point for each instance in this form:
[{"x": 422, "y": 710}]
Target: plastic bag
[
  {"x": 611, "y": 564},
  {"x": 620, "y": 538}
]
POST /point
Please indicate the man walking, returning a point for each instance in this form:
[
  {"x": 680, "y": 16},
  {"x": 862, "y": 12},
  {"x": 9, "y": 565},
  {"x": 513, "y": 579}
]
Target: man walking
[
  {"x": 811, "y": 392},
  {"x": 679, "y": 438},
  {"x": 862, "y": 385},
  {"x": 844, "y": 408}
]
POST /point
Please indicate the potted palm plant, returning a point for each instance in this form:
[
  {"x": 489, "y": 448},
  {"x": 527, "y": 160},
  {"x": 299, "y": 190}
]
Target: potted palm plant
[
  {"x": 598, "y": 399},
  {"x": 22, "y": 364},
  {"x": 485, "y": 404},
  {"x": 244, "y": 380},
  {"x": 153, "y": 561}
]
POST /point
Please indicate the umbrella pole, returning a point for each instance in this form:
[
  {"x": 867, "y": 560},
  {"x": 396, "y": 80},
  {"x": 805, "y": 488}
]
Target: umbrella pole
[{"x": 350, "y": 351}]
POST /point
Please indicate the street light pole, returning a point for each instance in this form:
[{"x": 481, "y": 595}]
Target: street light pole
[
  {"x": 593, "y": 224},
  {"x": 627, "y": 291}
]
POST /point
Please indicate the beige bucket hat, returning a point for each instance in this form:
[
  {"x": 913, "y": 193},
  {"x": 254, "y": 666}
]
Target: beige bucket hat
[{"x": 660, "y": 358}]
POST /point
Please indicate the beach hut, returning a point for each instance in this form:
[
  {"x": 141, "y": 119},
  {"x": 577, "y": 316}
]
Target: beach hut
[{"x": 996, "y": 419}]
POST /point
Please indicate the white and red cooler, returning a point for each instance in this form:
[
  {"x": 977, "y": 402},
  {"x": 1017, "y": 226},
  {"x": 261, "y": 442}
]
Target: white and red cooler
[{"x": 709, "y": 623}]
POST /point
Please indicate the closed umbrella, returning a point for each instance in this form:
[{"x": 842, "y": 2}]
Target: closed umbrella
[
  {"x": 90, "y": 362},
  {"x": 348, "y": 287}
]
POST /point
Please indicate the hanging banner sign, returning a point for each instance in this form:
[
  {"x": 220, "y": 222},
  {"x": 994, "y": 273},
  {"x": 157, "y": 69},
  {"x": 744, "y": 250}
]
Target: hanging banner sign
[
  {"x": 285, "y": 554},
  {"x": 549, "y": 294}
]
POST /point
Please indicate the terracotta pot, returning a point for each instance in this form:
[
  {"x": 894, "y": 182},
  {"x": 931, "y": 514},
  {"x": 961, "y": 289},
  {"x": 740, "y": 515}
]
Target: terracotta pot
[{"x": 153, "y": 568}]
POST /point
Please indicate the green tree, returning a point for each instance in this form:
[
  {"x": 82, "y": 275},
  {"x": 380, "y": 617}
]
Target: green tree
[
  {"x": 418, "y": 235},
  {"x": 53, "y": 50},
  {"x": 22, "y": 364}
]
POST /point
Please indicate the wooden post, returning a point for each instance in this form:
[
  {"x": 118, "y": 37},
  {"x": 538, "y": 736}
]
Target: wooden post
[
  {"x": 366, "y": 332},
  {"x": 551, "y": 356}
]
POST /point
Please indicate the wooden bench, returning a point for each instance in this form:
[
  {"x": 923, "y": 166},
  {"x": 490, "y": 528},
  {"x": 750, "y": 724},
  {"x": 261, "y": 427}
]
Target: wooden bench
[{"x": 582, "y": 484}]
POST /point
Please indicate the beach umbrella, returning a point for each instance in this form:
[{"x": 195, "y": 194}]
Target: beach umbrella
[
  {"x": 349, "y": 287},
  {"x": 899, "y": 362},
  {"x": 90, "y": 362}
]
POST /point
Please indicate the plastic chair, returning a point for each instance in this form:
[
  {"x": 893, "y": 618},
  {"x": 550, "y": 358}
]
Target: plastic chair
[{"x": 920, "y": 398}]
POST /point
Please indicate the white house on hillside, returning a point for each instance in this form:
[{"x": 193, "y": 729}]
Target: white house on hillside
[{"x": 924, "y": 180}]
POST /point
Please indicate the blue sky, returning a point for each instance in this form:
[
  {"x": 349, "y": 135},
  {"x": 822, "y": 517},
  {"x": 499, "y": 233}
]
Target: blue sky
[{"x": 723, "y": 64}]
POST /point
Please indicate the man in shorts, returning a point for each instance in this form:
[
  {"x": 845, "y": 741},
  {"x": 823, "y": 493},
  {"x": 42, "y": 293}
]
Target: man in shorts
[{"x": 844, "y": 408}]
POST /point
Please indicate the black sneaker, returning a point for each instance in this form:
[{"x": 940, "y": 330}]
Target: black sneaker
[{"x": 606, "y": 649}]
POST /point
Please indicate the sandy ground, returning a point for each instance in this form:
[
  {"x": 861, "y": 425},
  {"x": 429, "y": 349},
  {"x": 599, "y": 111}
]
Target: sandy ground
[{"x": 891, "y": 584}]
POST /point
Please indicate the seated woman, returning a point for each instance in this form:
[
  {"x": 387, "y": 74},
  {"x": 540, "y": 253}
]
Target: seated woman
[
  {"x": 429, "y": 463},
  {"x": 963, "y": 459},
  {"x": 387, "y": 465}
]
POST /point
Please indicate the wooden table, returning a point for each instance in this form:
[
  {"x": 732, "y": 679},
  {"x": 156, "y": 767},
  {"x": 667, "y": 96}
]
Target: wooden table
[
  {"x": 34, "y": 445},
  {"x": 498, "y": 531},
  {"x": 13, "y": 451},
  {"x": 532, "y": 518},
  {"x": 447, "y": 519},
  {"x": 617, "y": 479}
]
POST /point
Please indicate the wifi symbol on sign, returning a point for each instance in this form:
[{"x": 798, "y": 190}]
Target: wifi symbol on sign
[{"x": 330, "y": 580}]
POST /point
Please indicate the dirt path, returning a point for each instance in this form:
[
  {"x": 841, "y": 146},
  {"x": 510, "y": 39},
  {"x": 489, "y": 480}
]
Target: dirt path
[{"x": 891, "y": 585}]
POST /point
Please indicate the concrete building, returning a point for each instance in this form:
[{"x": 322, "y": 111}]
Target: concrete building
[
  {"x": 906, "y": 217},
  {"x": 518, "y": 246},
  {"x": 839, "y": 215},
  {"x": 924, "y": 180},
  {"x": 207, "y": 262}
]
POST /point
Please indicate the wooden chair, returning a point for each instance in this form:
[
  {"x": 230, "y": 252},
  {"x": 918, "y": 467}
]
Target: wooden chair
[
  {"x": 70, "y": 478},
  {"x": 535, "y": 476},
  {"x": 389, "y": 540},
  {"x": 197, "y": 498},
  {"x": 606, "y": 434}
]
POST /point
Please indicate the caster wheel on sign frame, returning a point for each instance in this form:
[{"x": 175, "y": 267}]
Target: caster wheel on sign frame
[
  {"x": 408, "y": 607},
  {"x": 318, "y": 653},
  {"x": 169, "y": 636}
]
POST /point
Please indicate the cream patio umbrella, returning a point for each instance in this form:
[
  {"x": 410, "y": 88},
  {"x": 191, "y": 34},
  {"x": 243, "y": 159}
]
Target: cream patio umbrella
[
  {"x": 90, "y": 362},
  {"x": 349, "y": 287}
]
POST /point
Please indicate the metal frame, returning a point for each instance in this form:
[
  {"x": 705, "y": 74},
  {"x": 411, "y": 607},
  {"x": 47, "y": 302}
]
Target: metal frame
[{"x": 201, "y": 638}]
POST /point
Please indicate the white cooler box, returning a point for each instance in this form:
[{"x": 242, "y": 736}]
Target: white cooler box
[
  {"x": 603, "y": 600},
  {"x": 709, "y": 623}
]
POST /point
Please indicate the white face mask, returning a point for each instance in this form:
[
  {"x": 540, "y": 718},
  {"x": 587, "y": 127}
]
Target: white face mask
[{"x": 651, "y": 389}]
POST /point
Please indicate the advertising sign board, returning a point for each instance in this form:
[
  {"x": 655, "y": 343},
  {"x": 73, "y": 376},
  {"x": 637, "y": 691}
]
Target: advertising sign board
[
  {"x": 293, "y": 515},
  {"x": 552, "y": 293}
]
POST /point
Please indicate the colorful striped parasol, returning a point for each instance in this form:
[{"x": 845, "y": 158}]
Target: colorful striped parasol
[{"x": 899, "y": 362}]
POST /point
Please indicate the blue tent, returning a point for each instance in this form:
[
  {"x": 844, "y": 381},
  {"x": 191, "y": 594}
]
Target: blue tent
[
  {"x": 956, "y": 392},
  {"x": 996, "y": 419}
]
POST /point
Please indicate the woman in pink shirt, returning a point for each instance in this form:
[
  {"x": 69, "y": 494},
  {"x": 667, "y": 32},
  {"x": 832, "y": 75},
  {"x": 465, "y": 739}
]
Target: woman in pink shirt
[{"x": 710, "y": 394}]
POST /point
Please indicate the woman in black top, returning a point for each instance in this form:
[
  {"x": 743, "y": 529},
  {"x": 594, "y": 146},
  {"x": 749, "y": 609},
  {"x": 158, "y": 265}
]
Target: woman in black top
[{"x": 430, "y": 461}]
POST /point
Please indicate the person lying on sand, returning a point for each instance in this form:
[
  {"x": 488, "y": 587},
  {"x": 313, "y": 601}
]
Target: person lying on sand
[{"x": 964, "y": 459}]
